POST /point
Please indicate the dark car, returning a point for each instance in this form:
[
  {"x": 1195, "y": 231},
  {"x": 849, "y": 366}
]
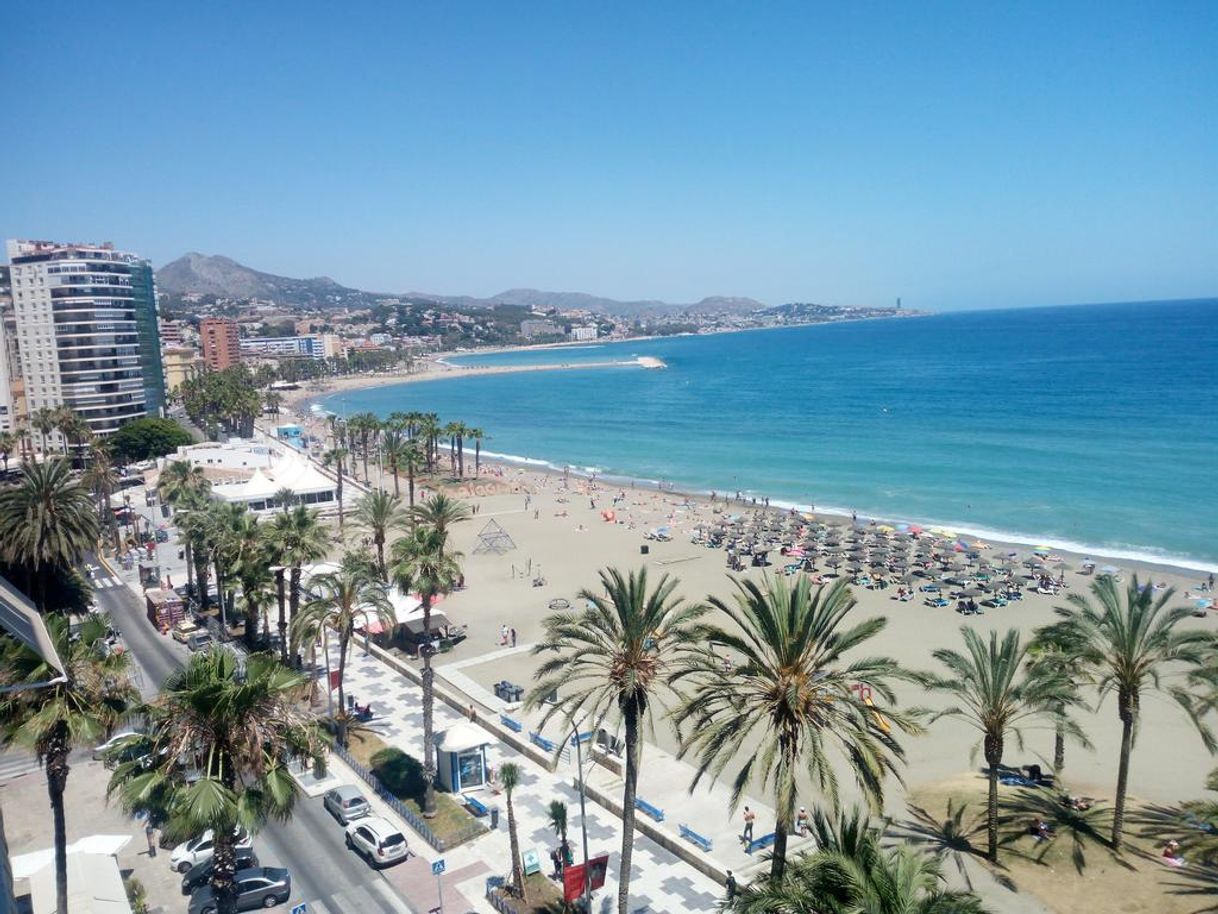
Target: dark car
[
  {"x": 260, "y": 887},
  {"x": 200, "y": 873}
]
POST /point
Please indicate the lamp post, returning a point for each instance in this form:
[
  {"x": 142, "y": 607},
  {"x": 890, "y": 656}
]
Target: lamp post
[{"x": 583, "y": 809}]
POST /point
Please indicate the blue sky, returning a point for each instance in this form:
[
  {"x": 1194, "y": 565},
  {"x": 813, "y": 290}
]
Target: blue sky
[{"x": 957, "y": 155}]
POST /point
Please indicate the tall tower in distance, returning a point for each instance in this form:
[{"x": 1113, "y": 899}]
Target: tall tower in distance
[
  {"x": 86, "y": 327},
  {"x": 221, "y": 342}
]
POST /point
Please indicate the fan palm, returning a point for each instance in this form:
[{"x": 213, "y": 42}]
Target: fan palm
[
  {"x": 180, "y": 480},
  {"x": 242, "y": 728},
  {"x": 346, "y": 599},
  {"x": 1131, "y": 641},
  {"x": 46, "y": 519},
  {"x": 102, "y": 480},
  {"x": 440, "y": 512},
  {"x": 1050, "y": 657},
  {"x": 477, "y": 434},
  {"x": 377, "y": 513},
  {"x": 509, "y": 777},
  {"x": 297, "y": 539},
  {"x": 997, "y": 694},
  {"x": 421, "y": 565},
  {"x": 615, "y": 657},
  {"x": 8, "y": 443},
  {"x": 851, "y": 871},
  {"x": 335, "y": 457},
  {"x": 93, "y": 695},
  {"x": 795, "y": 691}
]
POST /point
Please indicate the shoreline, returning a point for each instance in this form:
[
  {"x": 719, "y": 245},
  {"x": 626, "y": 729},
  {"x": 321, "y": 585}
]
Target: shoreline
[{"x": 436, "y": 368}]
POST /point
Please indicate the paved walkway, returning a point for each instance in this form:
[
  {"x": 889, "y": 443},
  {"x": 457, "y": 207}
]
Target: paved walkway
[{"x": 660, "y": 881}]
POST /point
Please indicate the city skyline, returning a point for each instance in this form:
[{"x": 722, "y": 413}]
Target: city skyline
[{"x": 953, "y": 157}]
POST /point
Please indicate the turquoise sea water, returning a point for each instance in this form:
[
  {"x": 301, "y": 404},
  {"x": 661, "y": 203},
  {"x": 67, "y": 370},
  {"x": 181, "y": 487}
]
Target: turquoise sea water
[{"x": 1089, "y": 427}]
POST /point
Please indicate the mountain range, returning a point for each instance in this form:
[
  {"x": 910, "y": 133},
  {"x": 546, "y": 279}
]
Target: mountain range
[{"x": 223, "y": 277}]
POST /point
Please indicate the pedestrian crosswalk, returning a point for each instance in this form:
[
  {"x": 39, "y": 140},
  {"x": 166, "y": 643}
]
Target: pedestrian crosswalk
[
  {"x": 101, "y": 582},
  {"x": 371, "y": 896},
  {"x": 15, "y": 764}
]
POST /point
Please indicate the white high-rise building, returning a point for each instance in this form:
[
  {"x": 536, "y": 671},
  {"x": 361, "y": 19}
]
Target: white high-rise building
[{"x": 86, "y": 321}]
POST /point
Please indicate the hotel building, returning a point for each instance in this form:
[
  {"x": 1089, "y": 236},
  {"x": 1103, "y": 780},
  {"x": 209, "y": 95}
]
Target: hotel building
[
  {"x": 86, "y": 328},
  {"x": 221, "y": 342}
]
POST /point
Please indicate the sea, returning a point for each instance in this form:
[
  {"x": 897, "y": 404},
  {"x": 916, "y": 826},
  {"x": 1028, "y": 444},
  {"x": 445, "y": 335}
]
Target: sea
[{"x": 1089, "y": 428}]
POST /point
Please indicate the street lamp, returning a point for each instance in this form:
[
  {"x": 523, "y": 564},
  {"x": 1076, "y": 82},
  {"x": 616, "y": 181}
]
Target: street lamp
[{"x": 583, "y": 806}]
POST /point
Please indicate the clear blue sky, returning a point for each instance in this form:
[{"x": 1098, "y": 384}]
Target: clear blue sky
[{"x": 957, "y": 155}]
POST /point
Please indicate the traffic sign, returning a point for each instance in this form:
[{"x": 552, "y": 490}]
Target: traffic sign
[
  {"x": 437, "y": 867},
  {"x": 301, "y": 908}
]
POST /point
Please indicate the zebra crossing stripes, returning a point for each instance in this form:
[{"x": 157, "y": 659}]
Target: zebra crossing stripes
[
  {"x": 15, "y": 764},
  {"x": 371, "y": 896}
]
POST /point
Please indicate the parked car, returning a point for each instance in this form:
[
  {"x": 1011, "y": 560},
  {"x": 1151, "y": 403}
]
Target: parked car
[
  {"x": 260, "y": 887},
  {"x": 200, "y": 873},
  {"x": 199, "y": 849},
  {"x": 346, "y": 803},
  {"x": 113, "y": 744},
  {"x": 379, "y": 841},
  {"x": 199, "y": 641}
]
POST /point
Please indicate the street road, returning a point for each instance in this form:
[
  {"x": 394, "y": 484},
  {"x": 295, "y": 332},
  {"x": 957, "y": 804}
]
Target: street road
[{"x": 325, "y": 875}]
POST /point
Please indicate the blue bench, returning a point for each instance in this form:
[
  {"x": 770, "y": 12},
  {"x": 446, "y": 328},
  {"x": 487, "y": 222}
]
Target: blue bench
[
  {"x": 510, "y": 723},
  {"x": 759, "y": 843},
  {"x": 654, "y": 811},
  {"x": 581, "y": 738},
  {"x": 476, "y": 806},
  {"x": 690, "y": 835},
  {"x": 538, "y": 740}
]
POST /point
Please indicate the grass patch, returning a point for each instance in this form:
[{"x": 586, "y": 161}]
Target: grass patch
[
  {"x": 402, "y": 776},
  {"x": 545, "y": 896}
]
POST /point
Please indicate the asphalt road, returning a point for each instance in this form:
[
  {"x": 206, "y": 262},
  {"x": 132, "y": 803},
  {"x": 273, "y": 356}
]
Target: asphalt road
[{"x": 325, "y": 875}]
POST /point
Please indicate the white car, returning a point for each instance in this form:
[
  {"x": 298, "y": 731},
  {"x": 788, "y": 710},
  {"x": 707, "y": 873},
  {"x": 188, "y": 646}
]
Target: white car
[
  {"x": 378, "y": 840},
  {"x": 100, "y": 752},
  {"x": 196, "y": 850}
]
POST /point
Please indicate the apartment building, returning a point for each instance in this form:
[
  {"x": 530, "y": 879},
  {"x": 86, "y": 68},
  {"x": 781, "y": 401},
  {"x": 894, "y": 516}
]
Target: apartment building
[
  {"x": 221, "y": 342},
  {"x": 285, "y": 347},
  {"x": 85, "y": 319}
]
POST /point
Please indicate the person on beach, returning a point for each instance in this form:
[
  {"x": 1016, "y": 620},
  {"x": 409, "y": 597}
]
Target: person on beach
[
  {"x": 513, "y": 632},
  {"x": 749, "y": 818},
  {"x": 803, "y": 822},
  {"x": 503, "y": 635}
]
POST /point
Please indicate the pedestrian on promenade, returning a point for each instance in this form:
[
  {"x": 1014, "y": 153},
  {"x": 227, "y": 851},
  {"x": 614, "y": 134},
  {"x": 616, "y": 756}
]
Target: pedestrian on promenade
[
  {"x": 730, "y": 885},
  {"x": 513, "y": 637},
  {"x": 153, "y": 835},
  {"x": 503, "y": 635},
  {"x": 749, "y": 818}
]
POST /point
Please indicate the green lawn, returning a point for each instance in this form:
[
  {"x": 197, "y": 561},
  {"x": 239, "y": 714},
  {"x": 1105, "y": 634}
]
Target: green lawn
[
  {"x": 545, "y": 896},
  {"x": 402, "y": 776}
]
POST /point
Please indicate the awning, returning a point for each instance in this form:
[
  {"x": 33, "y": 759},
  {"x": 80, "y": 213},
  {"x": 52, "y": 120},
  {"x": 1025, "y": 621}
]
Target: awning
[{"x": 414, "y": 625}]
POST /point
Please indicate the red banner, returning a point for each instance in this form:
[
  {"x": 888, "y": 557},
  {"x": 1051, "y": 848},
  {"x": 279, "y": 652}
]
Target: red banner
[
  {"x": 574, "y": 876},
  {"x": 333, "y": 680},
  {"x": 572, "y": 881}
]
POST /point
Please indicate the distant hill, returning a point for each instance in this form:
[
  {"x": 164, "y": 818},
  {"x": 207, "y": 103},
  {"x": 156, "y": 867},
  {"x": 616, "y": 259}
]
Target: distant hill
[{"x": 220, "y": 276}]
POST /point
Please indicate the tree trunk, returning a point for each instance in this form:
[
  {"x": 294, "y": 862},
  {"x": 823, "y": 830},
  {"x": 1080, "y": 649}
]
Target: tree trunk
[
  {"x": 634, "y": 750},
  {"x": 251, "y": 620},
  {"x": 338, "y": 466},
  {"x": 461, "y": 457},
  {"x": 397, "y": 483},
  {"x": 1059, "y": 751},
  {"x": 344, "y": 639},
  {"x": 295, "y": 602},
  {"x": 202, "y": 576},
  {"x": 283, "y": 617},
  {"x": 410, "y": 482},
  {"x": 477, "y": 456},
  {"x": 380, "y": 553},
  {"x": 517, "y": 870},
  {"x": 364, "y": 443},
  {"x": 224, "y": 868},
  {"x": 56, "y": 762},
  {"x": 993, "y": 758},
  {"x": 429, "y": 707},
  {"x": 1118, "y": 813}
]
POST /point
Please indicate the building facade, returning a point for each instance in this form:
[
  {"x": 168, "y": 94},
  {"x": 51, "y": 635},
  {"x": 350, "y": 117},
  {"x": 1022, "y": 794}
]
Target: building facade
[
  {"x": 181, "y": 364},
  {"x": 284, "y": 347},
  {"x": 221, "y": 342},
  {"x": 86, "y": 331}
]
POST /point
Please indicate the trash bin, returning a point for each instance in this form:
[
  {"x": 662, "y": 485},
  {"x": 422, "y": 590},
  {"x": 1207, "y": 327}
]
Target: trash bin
[
  {"x": 644, "y": 549},
  {"x": 494, "y": 817}
]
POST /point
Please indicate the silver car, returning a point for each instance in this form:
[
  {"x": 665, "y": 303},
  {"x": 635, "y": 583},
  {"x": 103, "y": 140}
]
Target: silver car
[
  {"x": 346, "y": 803},
  {"x": 260, "y": 887}
]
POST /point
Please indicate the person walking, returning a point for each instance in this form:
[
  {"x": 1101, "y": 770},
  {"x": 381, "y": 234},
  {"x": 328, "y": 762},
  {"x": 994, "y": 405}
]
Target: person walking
[
  {"x": 749, "y": 818},
  {"x": 503, "y": 635},
  {"x": 730, "y": 885},
  {"x": 513, "y": 637},
  {"x": 153, "y": 836}
]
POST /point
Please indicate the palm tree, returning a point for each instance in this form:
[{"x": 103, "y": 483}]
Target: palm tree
[
  {"x": 556, "y": 815},
  {"x": 247, "y": 549},
  {"x": 194, "y": 526},
  {"x": 509, "y": 777},
  {"x": 395, "y": 447},
  {"x": 377, "y": 513},
  {"x": 243, "y": 732},
  {"x": 615, "y": 658},
  {"x": 1131, "y": 642},
  {"x": 366, "y": 425},
  {"x": 297, "y": 539},
  {"x": 421, "y": 565},
  {"x": 93, "y": 695},
  {"x": 285, "y": 498},
  {"x": 44, "y": 420},
  {"x": 8, "y": 443},
  {"x": 996, "y": 694},
  {"x": 1050, "y": 657},
  {"x": 346, "y": 599},
  {"x": 440, "y": 512},
  {"x": 335, "y": 457},
  {"x": 852, "y": 870},
  {"x": 180, "y": 479},
  {"x": 102, "y": 480},
  {"x": 477, "y": 434},
  {"x": 411, "y": 459},
  {"x": 794, "y": 690},
  {"x": 46, "y": 519},
  {"x": 225, "y": 521}
]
